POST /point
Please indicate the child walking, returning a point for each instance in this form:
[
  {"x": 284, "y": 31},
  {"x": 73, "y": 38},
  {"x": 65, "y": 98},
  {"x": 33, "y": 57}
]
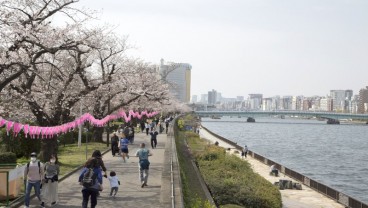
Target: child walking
[{"x": 114, "y": 183}]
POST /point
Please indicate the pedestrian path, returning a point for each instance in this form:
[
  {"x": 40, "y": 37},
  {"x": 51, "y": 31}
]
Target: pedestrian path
[
  {"x": 130, "y": 193},
  {"x": 306, "y": 198}
]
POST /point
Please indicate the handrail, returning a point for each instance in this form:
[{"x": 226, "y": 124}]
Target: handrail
[
  {"x": 321, "y": 114},
  {"x": 336, "y": 195}
]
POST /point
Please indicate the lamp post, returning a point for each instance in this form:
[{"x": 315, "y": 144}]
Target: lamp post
[
  {"x": 80, "y": 127},
  {"x": 86, "y": 130},
  {"x": 108, "y": 122}
]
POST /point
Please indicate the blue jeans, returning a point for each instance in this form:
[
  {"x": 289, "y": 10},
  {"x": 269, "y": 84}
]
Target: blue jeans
[{"x": 36, "y": 186}]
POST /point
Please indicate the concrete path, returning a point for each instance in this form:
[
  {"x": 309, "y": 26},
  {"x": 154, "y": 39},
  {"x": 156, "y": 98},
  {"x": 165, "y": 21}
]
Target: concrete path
[
  {"x": 130, "y": 193},
  {"x": 306, "y": 198}
]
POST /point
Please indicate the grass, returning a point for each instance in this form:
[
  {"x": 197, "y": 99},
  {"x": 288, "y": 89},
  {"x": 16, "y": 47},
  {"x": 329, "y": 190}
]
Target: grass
[{"x": 71, "y": 156}]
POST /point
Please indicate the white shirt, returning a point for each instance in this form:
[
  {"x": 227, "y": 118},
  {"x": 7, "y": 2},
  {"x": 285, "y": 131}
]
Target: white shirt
[{"x": 114, "y": 181}]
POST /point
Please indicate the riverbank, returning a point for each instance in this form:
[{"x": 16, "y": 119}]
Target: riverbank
[{"x": 305, "y": 198}]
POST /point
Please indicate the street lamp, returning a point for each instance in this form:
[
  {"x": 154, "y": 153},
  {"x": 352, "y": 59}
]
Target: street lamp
[
  {"x": 108, "y": 122},
  {"x": 86, "y": 131}
]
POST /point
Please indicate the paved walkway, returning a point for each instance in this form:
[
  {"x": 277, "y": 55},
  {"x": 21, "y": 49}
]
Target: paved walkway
[
  {"x": 306, "y": 198},
  {"x": 130, "y": 193}
]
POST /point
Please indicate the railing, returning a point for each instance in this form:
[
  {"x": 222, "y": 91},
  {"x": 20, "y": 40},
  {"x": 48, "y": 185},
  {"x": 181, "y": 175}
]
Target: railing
[
  {"x": 320, "y": 114},
  {"x": 336, "y": 195}
]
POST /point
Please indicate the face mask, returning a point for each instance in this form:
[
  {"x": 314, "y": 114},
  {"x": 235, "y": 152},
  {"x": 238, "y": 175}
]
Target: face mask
[
  {"x": 52, "y": 161},
  {"x": 33, "y": 159}
]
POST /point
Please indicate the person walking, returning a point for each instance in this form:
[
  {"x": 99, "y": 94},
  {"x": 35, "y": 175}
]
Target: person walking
[
  {"x": 91, "y": 179},
  {"x": 33, "y": 175},
  {"x": 131, "y": 134},
  {"x": 97, "y": 154},
  {"x": 143, "y": 126},
  {"x": 147, "y": 127},
  {"x": 123, "y": 146},
  {"x": 274, "y": 170},
  {"x": 114, "y": 144},
  {"x": 167, "y": 122},
  {"x": 143, "y": 153},
  {"x": 114, "y": 183},
  {"x": 154, "y": 134},
  {"x": 245, "y": 151},
  {"x": 50, "y": 185}
]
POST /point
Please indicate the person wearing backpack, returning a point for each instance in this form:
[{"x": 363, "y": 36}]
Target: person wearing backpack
[
  {"x": 33, "y": 175},
  {"x": 144, "y": 163},
  {"x": 91, "y": 180}
]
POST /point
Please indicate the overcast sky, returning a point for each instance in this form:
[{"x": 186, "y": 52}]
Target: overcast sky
[{"x": 238, "y": 47}]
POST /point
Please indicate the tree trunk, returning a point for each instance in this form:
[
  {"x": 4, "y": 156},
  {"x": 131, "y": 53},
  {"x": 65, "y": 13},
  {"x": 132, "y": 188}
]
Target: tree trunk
[
  {"x": 98, "y": 133},
  {"x": 48, "y": 147}
]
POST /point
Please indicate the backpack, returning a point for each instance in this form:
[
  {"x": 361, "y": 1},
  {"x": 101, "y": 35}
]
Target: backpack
[
  {"x": 39, "y": 167},
  {"x": 89, "y": 178},
  {"x": 130, "y": 132}
]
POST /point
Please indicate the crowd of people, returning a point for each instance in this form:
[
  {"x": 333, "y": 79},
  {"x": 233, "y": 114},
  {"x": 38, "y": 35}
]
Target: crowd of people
[{"x": 43, "y": 177}]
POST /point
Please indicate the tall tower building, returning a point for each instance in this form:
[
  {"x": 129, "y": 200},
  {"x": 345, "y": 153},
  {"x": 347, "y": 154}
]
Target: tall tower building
[
  {"x": 363, "y": 100},
  {"x": 178, "y": 75},
  {"x": 212, "y": 97}
]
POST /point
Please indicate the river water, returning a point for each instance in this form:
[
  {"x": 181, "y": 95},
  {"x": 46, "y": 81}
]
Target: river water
[{"x": 335, "y": 155}]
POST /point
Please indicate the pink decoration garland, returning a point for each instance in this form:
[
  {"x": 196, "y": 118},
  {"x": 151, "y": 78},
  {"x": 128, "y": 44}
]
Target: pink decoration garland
[{"x": 49, "y": 132}]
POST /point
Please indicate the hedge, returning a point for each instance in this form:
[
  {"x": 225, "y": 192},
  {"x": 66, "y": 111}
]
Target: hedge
[
  {"x": 232, "y": 181},
  {"x": 8, "y": 158}
]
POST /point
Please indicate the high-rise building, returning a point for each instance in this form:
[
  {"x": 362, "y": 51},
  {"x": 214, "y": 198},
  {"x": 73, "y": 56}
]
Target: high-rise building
[
  {"x": 255, "y": 101},
  {"x": 340, "y": 99},
  {"x": 204, "y": 98},
  {"x": 296, "y": 103},
  {"x": 286, "y": 103},
  {"x": 326, "y": 104},
  {"x": 363, "y": 100},
  {"x": 267, "y": 104},
  {"x": 178, "y": 75},
  {"x": 212, "y": 97},
  {"x": 194, "y": 98}
]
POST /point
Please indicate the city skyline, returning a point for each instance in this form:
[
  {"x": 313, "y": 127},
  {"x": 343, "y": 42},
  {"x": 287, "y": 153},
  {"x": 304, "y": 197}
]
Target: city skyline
[
  {"x": 241, "y": 47},
  {"x": 281, "y": 95}
]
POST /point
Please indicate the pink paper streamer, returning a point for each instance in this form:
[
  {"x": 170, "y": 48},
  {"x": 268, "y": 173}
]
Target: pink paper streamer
[{"x": 50, "y": 132}]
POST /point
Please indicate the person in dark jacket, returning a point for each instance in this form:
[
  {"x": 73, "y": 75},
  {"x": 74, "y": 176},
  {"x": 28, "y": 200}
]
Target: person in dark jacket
[
  {"x": 114, "y": 144},
  {"x": 91, "y": 192},
  {"x": 154, "y": 134},
  {"x": 97, "y": 154}
]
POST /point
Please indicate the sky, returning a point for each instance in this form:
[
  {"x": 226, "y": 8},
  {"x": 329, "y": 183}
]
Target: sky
[{"x": 240, "y": 47}]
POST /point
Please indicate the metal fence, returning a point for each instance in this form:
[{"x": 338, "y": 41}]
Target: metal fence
[{"x": 336, "y": 195}]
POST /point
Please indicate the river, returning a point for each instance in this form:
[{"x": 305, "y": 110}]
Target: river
[{"x": 335, "y": 155}]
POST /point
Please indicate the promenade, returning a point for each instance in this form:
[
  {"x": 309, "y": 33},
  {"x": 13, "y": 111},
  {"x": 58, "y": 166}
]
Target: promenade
[
  {"x": 130, "y": 194},
  {"x": 305, "y": 198}
]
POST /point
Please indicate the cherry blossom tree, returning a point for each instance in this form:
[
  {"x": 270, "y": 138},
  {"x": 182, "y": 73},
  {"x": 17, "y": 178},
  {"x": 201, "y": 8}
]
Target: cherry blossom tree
[
  {"x": 48, "y": 70},
  {"x": 135, "y": 86}
]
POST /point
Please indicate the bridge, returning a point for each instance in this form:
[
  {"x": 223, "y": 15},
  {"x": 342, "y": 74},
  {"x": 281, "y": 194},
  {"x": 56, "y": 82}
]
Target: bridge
[{"x": 308, "y": 114}]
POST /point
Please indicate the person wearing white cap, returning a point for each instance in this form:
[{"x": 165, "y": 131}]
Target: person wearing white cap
[{"x": 33, "y": 174}]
